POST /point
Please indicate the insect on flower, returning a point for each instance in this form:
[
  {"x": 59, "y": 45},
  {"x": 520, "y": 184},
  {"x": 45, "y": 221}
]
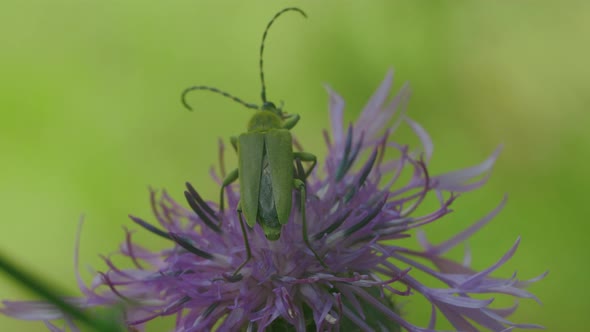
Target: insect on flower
[
  {"x": 265, "y": 165},
  {"x": 372, "y": 195}
]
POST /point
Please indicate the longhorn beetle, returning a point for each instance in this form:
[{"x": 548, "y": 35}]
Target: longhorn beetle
[{"x": 265, "y": 164}]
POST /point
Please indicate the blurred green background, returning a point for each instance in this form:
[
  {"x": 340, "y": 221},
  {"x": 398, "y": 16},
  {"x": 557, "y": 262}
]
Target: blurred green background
[{"x": 90, "y": 117}]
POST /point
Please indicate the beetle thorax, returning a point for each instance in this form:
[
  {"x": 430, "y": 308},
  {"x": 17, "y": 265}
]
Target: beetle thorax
[{"x": 264, "y": 120}]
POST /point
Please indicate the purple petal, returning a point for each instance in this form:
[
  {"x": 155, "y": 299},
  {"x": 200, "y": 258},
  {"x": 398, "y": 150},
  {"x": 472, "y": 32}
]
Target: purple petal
[
  {"x": 424, "y": 138},
  {"x": 463, "y": 180},
  {"x": 336, "y": 116}
]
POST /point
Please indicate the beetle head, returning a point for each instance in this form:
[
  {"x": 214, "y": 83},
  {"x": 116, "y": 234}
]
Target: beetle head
[
  {"x": 268, "y": 106},
  {"x": 271, "y": 107}
]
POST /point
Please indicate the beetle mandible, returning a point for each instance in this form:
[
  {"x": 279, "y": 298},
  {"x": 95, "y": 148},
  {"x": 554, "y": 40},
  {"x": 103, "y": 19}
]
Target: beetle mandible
[{"x": 265, "y": 164}]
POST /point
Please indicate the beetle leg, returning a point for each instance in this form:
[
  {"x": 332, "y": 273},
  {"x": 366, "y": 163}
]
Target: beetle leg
[
  {"x": 291, "y": 121},
  {"x": 232, "y": 177},
  {"x": 304, "y": 156},
  {"x": 236, "y": 276},
  {"x": 298, "y": 171},
  {"x": 300, "y": 186}
]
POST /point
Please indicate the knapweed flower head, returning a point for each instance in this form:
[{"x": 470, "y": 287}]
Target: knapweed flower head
[{"x": 361, "y": 202}]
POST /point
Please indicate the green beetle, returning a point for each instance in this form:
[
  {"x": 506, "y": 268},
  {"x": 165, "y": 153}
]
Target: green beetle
[{"x": 266, "y": 164}]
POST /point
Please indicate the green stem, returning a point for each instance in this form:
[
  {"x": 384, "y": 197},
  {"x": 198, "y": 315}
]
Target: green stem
[{"x": 38, "y": 287}]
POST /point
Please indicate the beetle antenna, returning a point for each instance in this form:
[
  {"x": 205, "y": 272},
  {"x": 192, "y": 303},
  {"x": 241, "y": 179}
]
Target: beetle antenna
[
  {"x": 262, "y": 45},
  {"x": 212, "y": 89}
]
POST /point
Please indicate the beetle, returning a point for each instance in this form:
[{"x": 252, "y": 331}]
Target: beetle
[{"x": 265, "y": 164}]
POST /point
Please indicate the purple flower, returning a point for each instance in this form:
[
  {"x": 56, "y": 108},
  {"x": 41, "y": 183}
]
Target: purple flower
[{"x": 359, "y": 206}]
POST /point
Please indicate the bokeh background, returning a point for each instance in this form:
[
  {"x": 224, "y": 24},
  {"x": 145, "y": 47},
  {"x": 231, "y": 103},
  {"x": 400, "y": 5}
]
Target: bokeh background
[{"x": 90, "y": 117}]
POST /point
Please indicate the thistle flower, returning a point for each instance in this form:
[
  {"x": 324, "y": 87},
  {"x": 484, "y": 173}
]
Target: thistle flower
[{"x": 359, "y": 206}]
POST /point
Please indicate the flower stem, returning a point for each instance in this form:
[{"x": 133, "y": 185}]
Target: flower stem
[{"x": 38, "y": 287}]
